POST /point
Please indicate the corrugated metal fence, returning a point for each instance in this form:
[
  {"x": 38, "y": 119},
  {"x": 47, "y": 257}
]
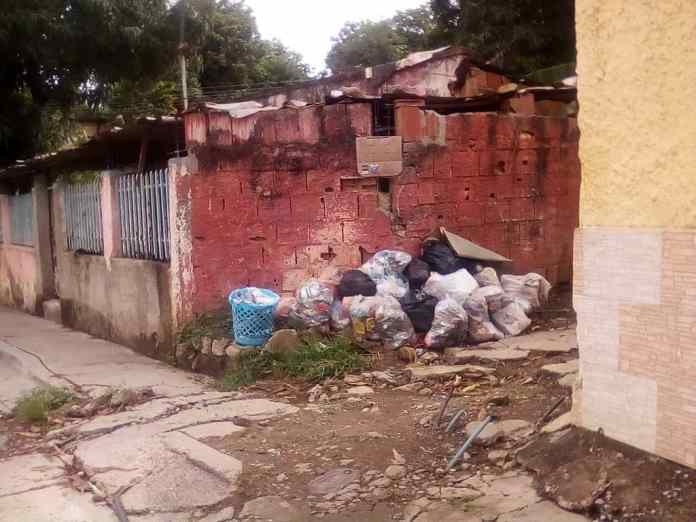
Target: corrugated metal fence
[
  {"x": 143, "y": 202},
  {"x": 83, "y": 216},
  {"x": 22, "y": 219}
]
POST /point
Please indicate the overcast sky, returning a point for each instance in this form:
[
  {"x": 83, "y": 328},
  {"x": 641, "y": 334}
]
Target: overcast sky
[{"x": 306, "y": 26}]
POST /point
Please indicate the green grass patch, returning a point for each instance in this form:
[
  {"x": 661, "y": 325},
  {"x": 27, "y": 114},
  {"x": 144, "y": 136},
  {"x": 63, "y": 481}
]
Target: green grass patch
[
  {"x": 35, "y": 405},
  {"x": 317, "y": 358},
  {"x": 215, "y": 325}
]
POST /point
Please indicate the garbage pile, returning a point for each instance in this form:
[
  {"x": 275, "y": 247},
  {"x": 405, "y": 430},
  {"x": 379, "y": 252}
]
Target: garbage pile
[{"x": 394, "y": 296}]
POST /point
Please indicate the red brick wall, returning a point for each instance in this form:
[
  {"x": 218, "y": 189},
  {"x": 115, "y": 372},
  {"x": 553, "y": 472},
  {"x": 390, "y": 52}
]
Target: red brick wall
[{"x": 281, "y": 206}]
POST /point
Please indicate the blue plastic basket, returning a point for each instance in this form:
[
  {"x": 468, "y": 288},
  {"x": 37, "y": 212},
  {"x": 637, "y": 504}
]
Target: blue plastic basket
[{"x": 252, "y": 323}]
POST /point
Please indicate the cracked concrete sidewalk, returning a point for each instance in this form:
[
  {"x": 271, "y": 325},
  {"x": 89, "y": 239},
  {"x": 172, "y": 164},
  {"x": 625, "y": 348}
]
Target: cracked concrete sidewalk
[{"x": 143, "y": 455}]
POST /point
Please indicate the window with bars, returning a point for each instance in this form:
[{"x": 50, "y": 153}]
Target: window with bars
[
  {"x": 83, "y": 216},
  {"x": 143, "y": 202},
  {"x": 21, "y": 219}
]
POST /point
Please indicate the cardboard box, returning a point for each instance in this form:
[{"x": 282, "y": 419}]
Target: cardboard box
[
  {"x": 379, "y": 156},
  {"x": 465, "y": 248}
]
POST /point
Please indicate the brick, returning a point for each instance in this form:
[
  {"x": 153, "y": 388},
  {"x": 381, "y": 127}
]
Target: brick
[
  {"x": 425, "y": 193},
  {"x": 341, "y": 206},
  {"x": 442, "y": 165},
  {"x": 336, "y": 123},
  {"x": 293, "y": 279},
  {"x": 290, "y": 233},
  {"x": 367, "y": 205},
  {"x": 496, "y": 162},
  {"x": 409, "y": 122},
  {"x": 360, "y": 117},
  {"x": 274, "y": 209},
  {"x": 323, "y": 181},
  {"x": 278, "y": 257},
  {"x": 260, "y": 232},
  {"x": 325, "y": 232},
  {"x": 310, "y": 123},
  {"x": 465, "y": 163},
  {"x": 258, "y": 182},
  {"x": 468, "y": 213},
  {"x": 496, "y": 212},
  {"x": 287, "y": 126},
  {"x": 288, "y": 183},
  {"x": 309, "y": 207},
  {"x": 295, "y": 160},
  {"x": 526, "y": 162},
  {"x": 521, "y": 209}
]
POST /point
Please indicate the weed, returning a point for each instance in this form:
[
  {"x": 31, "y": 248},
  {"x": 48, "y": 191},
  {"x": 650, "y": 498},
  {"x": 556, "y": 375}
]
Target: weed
[
  {"x": 34, "y": 406},
  {"x": 316, "y": 358},
  {"x": 212, "y": 324}
]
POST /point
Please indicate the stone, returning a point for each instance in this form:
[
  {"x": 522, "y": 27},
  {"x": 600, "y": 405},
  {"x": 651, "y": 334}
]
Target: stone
[
  {"x": 498, "y": 455},
  {"x": 213, "y": 429},
  {"x": 234, "y": 353},
  {"x": 557, "y": 341},
  {"x": 511, "y": 319},
  {"x": 206, "y": 345},
  {"x": 220, "y": 464},
  {"x": 4, "y": 439},
  {"x": 411, "y": 387},
  {"x": 224, "y": 515},
  {"x": 459, "y": 493},
  {"x": 283, "y": 341},
  {"x": 466, "y": 355},
  {"x": 381, "y": 493},
  {"x": 218, "y": 347},
  {"x": 384, "y": 377},
  {"x": 161, "y": 490},
  {"x": 353, "y": 380},
  {"x": 415, "y": 508},
  {"x": 55, "y": 503},
  {"x": 568, "y": 380},
  {"x": 361, "y": 391},
  {"x": 333, "y": 481},
  {"x": 425, "y": 391},
  {"x": 395, "y": 471},
  {"x": 541, "y": 511},
  {"x": 182, "y": 352},
  {"x": 429, "y": 357},
  {"x": 559, "y": 423},
  {"x": 383, "y": 482},
  {"x": 272, "y": 508},
  {"x": 419, "y": 373},
  {"x": 561, "y": 369},
  {"x": 511, "y": 429}
]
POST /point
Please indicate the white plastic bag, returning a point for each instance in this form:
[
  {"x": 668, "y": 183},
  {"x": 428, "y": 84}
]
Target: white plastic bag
[
  {"x": 511, "y": 319},
  {"x": 457, "y": 285},
  {"x": 481, "y": 329},
  {"x": 532, "y": 290},
  {"x": 394, "y": 285},
  {"x": 450, "y": 324},
  {"x": 487, "y": 277}
]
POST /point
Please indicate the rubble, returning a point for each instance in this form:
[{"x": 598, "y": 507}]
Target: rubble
[
  {"x": 561, "y": 369},
  {"x": 420, "y": 373},
  {"x": 512, "y": 429}
]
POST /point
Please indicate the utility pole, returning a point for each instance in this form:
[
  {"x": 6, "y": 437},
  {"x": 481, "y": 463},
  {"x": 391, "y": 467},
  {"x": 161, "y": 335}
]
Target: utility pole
[{"x": 182, "y": 54}]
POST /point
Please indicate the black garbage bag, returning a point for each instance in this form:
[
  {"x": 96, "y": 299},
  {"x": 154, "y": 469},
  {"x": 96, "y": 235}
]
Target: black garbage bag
[
  {"x": 420, "y": 309},
  {"x": 417, "y": 272},
  {"x": 440, "y": 257},
  {"x": 355, "y": 282}
]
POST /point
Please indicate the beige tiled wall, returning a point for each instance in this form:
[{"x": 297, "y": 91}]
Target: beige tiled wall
[{"x": 635, "y": 296}]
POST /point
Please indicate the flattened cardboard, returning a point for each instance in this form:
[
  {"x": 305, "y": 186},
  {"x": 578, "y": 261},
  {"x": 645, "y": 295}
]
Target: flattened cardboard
[
  {"x": 379, "y": 156},
  {"x": 465, "y": 248}
]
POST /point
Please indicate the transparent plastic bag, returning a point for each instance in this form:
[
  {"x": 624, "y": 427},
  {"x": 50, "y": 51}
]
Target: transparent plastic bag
[
  {"x": 511, "y": 320},
  {"x": 457, "y": 285},
  {"x": 340, "y": 316},
  {"x": 386, "y": 263},
  {"x": 450, "y": 325},
  {"x": 393, "y": 285},
  {"x": 380, "y": 318},
  {"x": 487, "y": 277},
  {"x": 313, "y": 307}
]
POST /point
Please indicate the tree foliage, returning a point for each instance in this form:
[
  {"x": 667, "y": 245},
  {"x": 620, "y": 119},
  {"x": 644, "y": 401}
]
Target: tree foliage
[
  {"x": 121, "y": 56},
  {"x": 371, "y": 43},
  {"x": 519, "y": 35}
]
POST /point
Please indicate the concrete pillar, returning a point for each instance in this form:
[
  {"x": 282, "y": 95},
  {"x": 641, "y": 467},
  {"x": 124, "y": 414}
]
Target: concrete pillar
[
  {"x": 45, "y": 284},
  {"x": 181, "y": 267},
  {"x": 5, "y": 218},
  {"x": 111, "y": 218}
]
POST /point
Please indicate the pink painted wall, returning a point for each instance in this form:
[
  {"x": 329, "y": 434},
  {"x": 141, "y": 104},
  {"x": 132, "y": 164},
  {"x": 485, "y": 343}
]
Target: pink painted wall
[{"x": 19, "y": 271}]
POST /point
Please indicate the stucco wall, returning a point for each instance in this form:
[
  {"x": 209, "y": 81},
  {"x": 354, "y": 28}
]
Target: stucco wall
[
  {"x": 128, "y": 303},
  {"x": 18, "y": 268},
  {"x": 637, "y": 82},
  {"x": 124, "y": 300}
]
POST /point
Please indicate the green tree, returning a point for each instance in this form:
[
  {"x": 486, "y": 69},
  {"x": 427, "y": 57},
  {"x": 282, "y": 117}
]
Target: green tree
[
  {"x": 519, "y": 35},
  {"x": 371, "y": 43}
]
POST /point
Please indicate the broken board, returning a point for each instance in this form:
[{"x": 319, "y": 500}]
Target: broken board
[
  {"x": 379, "y": 156},
  {"x": 465, "y": 248}
]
